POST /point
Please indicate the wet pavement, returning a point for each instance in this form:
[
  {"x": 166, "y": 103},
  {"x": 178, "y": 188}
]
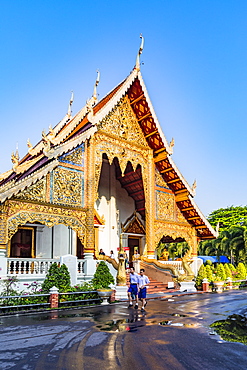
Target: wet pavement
[{"x": 173, "y": 333}]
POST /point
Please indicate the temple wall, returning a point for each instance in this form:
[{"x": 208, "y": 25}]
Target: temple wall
[
  {"x": 55, "y": 242},
  {"x": 115, "y": 205}
]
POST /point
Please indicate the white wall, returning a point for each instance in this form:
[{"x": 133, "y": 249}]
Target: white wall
[{"x": 62, "y": 238}]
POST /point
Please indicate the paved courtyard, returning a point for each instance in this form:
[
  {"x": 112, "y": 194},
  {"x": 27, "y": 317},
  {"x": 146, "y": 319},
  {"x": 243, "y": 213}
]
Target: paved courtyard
[{"x": 172, "y": 334}]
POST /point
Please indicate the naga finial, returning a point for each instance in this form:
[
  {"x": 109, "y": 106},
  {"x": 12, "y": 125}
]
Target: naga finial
[
  {"x": 95, "y": 87},
  {"x": 15, "y": 158},
  {"x": 194, "y": 185},
  {"x": 30, "y": 147},
  {"x": 51, "y": 132},
  {"x": 70, "y": 105},
  {"x": 137, "y": 66},
  {"x": 172, "y": 143}
]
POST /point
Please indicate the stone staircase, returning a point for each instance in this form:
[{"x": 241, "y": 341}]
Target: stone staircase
[{"x": 155, "y": 287}]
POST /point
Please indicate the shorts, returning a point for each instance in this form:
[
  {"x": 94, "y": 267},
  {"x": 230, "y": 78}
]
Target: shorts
[
  {"x": 142, "y": 293},
  {"x": 133, "y": 290}
]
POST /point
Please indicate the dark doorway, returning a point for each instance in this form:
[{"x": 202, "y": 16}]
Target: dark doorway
[
  {"x": 22, "y": 243},
  {"x": 133, "y": 244},
  {"x": 79, "y": 249}
]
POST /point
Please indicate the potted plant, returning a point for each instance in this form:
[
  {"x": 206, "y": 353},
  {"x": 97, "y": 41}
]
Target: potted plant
[
  {"x": 102, "y": 280},
  {"x": 218, "y": 284},
  {"x": 219, "y": 279}
]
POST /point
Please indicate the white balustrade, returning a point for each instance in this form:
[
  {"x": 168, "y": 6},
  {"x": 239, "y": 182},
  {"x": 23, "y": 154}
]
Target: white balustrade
[
  {"x": 29, "y": 266},
  {"x": 35, "y": 266},
  {"x": 80, "y": 267},
  {"x": 177, "y": 264}
]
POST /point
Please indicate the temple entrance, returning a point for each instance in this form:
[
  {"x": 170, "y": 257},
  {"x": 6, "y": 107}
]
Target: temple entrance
[
  {"x": 170, "y": 249},
  {"x": 133, "y": 244},
  {"x": 79, "y": 249}
]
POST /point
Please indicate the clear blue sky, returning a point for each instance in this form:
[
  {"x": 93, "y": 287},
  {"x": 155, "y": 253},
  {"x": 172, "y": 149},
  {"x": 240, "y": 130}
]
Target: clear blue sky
[{"x": 195, "y": 69}]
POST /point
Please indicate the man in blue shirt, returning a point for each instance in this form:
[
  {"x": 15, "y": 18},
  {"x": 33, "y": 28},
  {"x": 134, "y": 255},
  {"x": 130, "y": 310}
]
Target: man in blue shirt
[
  {"x": 143, "y": 282},
  {"x": 133, "y": 289}
]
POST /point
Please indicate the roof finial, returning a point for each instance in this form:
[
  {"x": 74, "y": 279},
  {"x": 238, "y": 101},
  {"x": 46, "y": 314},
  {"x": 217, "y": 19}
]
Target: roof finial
[
  {"x": 194, "y": 185},
  {"x": 95, "y": 87},
  {"x": 70, "y": 104},
  {"x": 137, "y": 66}
]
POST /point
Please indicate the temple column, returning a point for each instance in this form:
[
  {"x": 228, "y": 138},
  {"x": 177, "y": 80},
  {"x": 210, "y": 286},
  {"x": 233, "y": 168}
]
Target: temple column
[
  {"x": 150, "y": 206},
  {"x": 90, "y": 263},
  {"x": 3, "y": 242}
]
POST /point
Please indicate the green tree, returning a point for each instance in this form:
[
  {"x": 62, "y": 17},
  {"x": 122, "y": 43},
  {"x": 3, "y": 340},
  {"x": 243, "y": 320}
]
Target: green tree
[
  {"x": 209, "y": 273},
  {"x": 200, "y": 276},
  {"x": 58, "y": 277},
  {"x": 102, "y": 277},
  {"x": 229, "y": 216},
  {"x": 231, "y": 267},
  {"x": 220, "y": 272},
  {"x": 241, "y": 271},
  {"x": 227, "y": 271}
]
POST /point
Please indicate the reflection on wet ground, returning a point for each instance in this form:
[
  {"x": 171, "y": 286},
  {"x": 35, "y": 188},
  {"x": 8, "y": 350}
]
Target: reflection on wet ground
[
  {"x": 233, "y": 329},
  {"x": 174, "y": 333}
]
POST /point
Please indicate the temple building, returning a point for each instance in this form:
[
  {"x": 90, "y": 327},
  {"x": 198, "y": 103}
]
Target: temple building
[{"x": 102, "y": 177}]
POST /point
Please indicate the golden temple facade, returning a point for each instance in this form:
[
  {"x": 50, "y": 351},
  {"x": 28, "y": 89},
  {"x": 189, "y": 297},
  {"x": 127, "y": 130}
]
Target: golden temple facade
[{"x": 97, "y": 178}]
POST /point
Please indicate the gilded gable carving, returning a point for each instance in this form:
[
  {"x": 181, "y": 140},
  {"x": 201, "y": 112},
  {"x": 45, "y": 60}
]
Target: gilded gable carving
[
  {"x": 180, "y": 216},
  {"x": 75, "y": 157},
  {"x": 162, "y": 228},
  {"x": 122, "y": 122},
  {"x": 67, "y": 187},
  {"x": 165, "y": 206},
  {"x": 35, "y": 192},
  {"x": 159, "y": 180},
  {"x": 19, "y": 213},
  {"x": 135, "y": 228}
]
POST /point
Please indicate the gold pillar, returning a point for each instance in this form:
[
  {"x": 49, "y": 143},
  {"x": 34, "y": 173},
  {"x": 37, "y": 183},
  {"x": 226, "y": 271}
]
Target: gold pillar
[
  {"x": 90, "y": 195},
  {"x": 3, "y": 231},
  {"x": 194, "y": 245},
  {"x": 150, "y": 206}
]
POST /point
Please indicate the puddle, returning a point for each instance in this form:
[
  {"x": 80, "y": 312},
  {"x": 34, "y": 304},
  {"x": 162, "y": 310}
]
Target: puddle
[
  {"x": 233, "y": 329},
  {"x": 122, "y": 325},
  {"x": 165, "y": 322},
  {"x": 61, "y": 316},
  {"x": 170, "y": 323}
]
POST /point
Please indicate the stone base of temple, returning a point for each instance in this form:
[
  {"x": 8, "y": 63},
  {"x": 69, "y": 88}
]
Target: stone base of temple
[
  {"x": 187, "y": 286},
  {"x": 121, "y": 292}
]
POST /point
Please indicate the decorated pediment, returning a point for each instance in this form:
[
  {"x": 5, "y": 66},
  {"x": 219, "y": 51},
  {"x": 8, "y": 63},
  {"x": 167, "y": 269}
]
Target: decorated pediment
[
  {"x": 35, "y": 192},
  {"x": 122, "y": 123},
  {"x": 159, "y": 181},
  {"x": 67, "y": 187},
  {"x": 133, "y": 225},
  {"x": 75, "y": 157}
]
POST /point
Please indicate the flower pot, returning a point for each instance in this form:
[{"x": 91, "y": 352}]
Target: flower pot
[
  {"x": 105, "y": 295},
  {"x": 218, "y": 286}
]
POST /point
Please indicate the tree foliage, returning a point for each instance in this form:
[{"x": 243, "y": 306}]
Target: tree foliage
[
  {"x": 229, "y": 216},
  {"x": 232, "y": 239},
  {"x": 58, "y": 277},
  {"x": 202, "y": 274},
  {"x": 102, "y": 277},
  {"x": 241, "y": 271},
  {"x": 175, "y": 250}
]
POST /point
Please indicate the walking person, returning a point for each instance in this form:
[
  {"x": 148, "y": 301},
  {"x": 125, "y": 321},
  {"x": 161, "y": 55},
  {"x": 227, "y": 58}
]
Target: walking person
[
  {"x": 143, "y": 282},
  {"x": 133, "y": 289}
]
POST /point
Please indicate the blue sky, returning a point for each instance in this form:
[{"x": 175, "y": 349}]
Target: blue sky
[{"x": 194, "y": 66}]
